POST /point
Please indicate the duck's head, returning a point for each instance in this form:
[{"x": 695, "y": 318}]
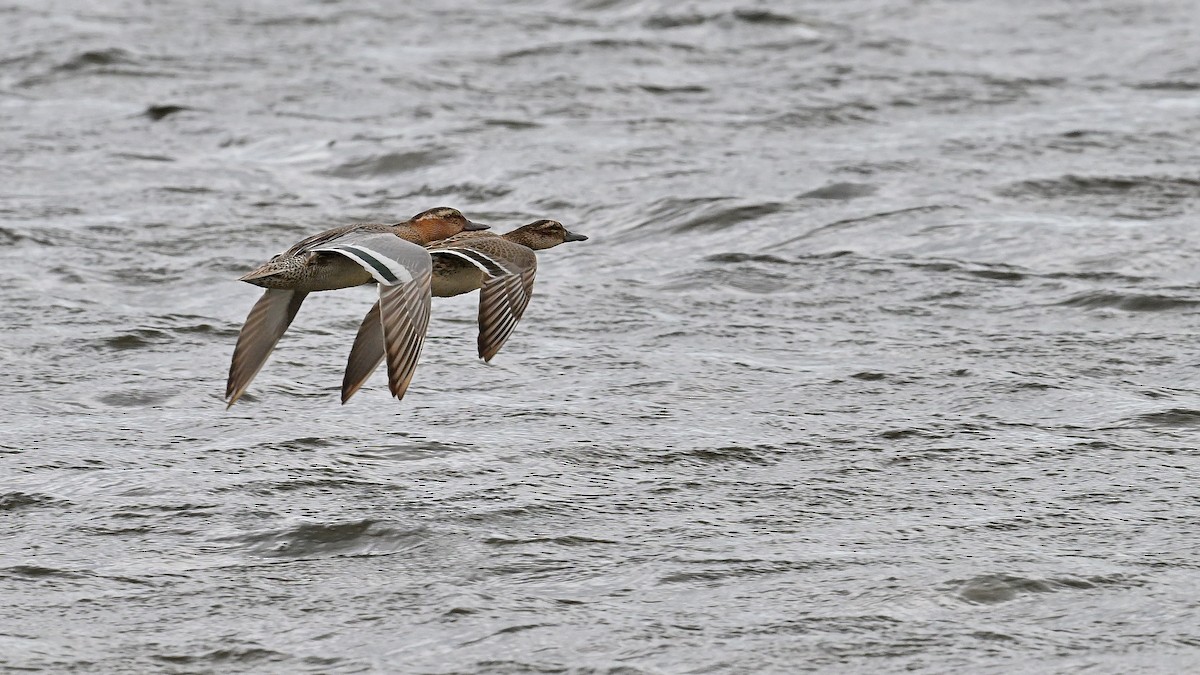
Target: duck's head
[
  {"x": 442, "y": 222},
  {"x": 541, "y": 234}
]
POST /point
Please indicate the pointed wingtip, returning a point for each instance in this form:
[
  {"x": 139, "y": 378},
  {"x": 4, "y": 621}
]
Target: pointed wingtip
[{"x": 399, "y": 392}]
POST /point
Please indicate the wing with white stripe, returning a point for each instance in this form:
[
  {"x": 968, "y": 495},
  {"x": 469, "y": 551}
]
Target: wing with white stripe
[
  {"x": 398, "y": 322},
  {"x": 388, "y": 258}
]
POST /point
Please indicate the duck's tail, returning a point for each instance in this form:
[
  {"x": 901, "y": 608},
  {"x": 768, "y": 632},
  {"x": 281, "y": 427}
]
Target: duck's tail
[{"x": 273, "y": 274}]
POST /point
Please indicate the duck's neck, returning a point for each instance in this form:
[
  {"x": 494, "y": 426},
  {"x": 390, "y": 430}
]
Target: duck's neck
[{"x": 526, "y": 238}]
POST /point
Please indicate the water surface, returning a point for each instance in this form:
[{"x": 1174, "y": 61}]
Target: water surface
[{"x": 880, "y": 357}]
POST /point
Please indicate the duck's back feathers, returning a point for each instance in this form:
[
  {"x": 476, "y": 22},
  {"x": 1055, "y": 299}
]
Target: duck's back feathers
[{"x": 321, "y": 238}]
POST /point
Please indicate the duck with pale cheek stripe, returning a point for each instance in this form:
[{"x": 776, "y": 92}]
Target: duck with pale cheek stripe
[
  {"x": 352, "y": 255},
  {"x": 501, "y": 266}
]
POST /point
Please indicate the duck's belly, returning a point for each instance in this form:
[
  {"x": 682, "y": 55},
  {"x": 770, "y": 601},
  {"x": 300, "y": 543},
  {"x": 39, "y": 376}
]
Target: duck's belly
[
  {"x": 454, "y": 277},
  {"x": 329, "y": 272}
]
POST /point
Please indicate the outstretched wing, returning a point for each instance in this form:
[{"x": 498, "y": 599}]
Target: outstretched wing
[
  {"x": 502, "y": 303},
  {"x": 396, "y": 325},
  {"x": 404, "y": 313},
  {"x": 366, "y": 354},
  {"x": 268, "y": 320},
  {"x": 509, "y": 270}
]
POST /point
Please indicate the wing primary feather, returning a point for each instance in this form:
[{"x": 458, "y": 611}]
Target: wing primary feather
[
  {"x": 266, "y": 323},
  {"x": 366, "y": 354},
  {"x": 502, "y": 303},
  {"x": 404, "y": 310}
]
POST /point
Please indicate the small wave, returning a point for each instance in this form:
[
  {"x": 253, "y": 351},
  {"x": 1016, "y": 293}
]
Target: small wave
[
  {"x": 186, "y": 189},
  {"x": 747, "y": 257},
  {"x": 1142, "y": 197},
  {"x": 416, "y": 450},
  {"x": 471, "y": 192},
  {"x": 959, "y": 90},
  {"x": 586, "y": 47},
  {"x": 515, "y": 125},
  {"x": 138, "y": 398},
  {"x": 389, "y": 163},
  {"x": 9, "y": 237},
  {"x": 911, "y": 432},
  {"x": 12, "y": 501},
  {"x": 869, "y": 376},
  {"x": 97, "y": 57},
  {"x": 1130, "y": 302},
  {"x": 143, "y": 157},
  {"x": 113, "y": 61},
  {"x": 746, "y": 278},
  {"x": 997, "y": 275},
  {"x": 840, "y": 191},
  {"x": 38, "y": 572},
  {"x": 819, "y": 116},
  {"x": 761, "y": 16},
  {"x": 138, "y": 339},
  {"x": 716, "y": 569},
  {"x": 1174, "y": 417},
  {"x": 226, "y": 656},
  {"x": 668, "y": 89},
  {"x": 759, "y": 455},
  {"x": 1083, "y": 140},
  {"x": 309, "y": 540},
  {"x": 1169, "y": 85},
  {"x": 158, "y": 112},
  {"x": 993, "y": 272},
  {"x": 991, "y": 589},
  {"x": 753, "y": 16},
  {"x": 898, "y": 216},
  {"x": 668, "y": 21},
  {"x": 1073, "y": 185},
  {"x": 568, "y": 540},
  {"x": 1097, "y": 276},
  {"x": 704, "y": 214}
]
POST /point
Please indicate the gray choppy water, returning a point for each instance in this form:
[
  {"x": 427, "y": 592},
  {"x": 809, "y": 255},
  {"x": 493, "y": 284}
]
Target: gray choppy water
[{"x": 881, "y": 355}]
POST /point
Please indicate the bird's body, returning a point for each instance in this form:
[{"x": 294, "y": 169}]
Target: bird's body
[
  {"x": 501, "y": 266},
  {"x": 351, "y": 255},
  {"x": 307, "y": 267},
  {"x": 455, "y": 275}
]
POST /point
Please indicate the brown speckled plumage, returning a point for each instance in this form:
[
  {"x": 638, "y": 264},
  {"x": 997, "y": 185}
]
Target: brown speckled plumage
[
  {"x": 350, "y": 255},
  {"x": 505, "y": 291}
]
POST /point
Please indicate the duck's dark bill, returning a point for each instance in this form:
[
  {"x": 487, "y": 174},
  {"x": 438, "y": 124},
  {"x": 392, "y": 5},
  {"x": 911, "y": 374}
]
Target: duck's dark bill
[
  {"x": 571, "y": 236},
  {"x": 471, "y": 225}
]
